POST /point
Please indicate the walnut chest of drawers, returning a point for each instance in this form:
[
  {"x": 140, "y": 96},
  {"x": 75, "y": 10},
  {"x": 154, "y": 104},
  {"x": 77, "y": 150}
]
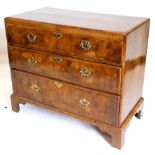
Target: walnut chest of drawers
[{"x": 86, "y": 65}]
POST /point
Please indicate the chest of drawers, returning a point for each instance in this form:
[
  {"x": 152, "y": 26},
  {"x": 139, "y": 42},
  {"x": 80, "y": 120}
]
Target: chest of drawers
[{"x": 86, "y": 65}]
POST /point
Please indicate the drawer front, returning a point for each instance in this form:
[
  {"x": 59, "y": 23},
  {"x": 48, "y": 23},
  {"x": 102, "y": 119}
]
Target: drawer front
[
  {"x": 91, "y": 47},
  {"x": 30, "y": 37},
  {"x": 89, "y": 74},
  {"x": 78, "y": 45},
  {"x": 95, "y": 105}
]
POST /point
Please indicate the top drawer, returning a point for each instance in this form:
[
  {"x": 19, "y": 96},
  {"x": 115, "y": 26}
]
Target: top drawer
[{"x": 58, "y": 41}]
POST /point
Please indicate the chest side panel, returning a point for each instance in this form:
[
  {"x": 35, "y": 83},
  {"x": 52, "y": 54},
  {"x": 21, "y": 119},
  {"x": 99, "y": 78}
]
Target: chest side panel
[{"x": 133, "y": 76}]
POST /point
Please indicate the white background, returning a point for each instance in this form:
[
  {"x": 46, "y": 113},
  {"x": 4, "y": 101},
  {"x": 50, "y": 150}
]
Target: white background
[{"x": 38, "y": 131}]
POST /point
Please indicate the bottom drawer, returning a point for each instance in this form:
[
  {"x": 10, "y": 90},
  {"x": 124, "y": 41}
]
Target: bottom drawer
[{"x": 90, "y": 104}]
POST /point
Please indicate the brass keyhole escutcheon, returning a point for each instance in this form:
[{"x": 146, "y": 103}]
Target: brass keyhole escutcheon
[
  {"x": 57, "y": 59},
  {"x": 58, "y": 84},
  {"x": 31, "y": 37},
  {"x": 57, "y": 34}
]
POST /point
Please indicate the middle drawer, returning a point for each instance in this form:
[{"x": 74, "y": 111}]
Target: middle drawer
[{"x": 81, "y": 72}]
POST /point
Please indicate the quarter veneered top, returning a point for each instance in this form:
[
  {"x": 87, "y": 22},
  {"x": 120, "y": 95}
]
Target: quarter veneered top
[{"x": 113, "y": 23}]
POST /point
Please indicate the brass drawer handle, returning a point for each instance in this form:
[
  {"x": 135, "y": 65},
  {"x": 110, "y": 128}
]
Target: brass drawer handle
[
  {"x": 58, "y": 84},
  {"x": 31, "y": 37},
  {"x": 35, "y": 88},
  {"x": 57, "y": 34},
  {"x": 84, "y": 103},
  {"x": 57, "y": 59},
  {"x": 85, "y": 72},
  {"x": 85, "y": 45},
  {"x": 32, "y": 61}
]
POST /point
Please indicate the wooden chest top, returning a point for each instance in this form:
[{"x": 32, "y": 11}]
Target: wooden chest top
[{"x": 104, "y": 22}]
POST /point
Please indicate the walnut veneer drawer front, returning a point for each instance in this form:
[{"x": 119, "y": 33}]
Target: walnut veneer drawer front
[
  {"x": 73, "y": 44},
  {"x": 92, "y": 75},
  {"x": 77, "y": 100},
  {"x": 86, "y": 65}
]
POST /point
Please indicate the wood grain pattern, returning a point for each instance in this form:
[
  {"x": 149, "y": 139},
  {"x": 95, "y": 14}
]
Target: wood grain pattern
[
  {"x": 103, "y": 50},
  {"x": 99, "y": 82},
  {"x": 103, "y": 77},
  {"x": 134, "y": 68},
  {"x": 106, "y": 22},
  {"x": 103, "y": 107}
]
